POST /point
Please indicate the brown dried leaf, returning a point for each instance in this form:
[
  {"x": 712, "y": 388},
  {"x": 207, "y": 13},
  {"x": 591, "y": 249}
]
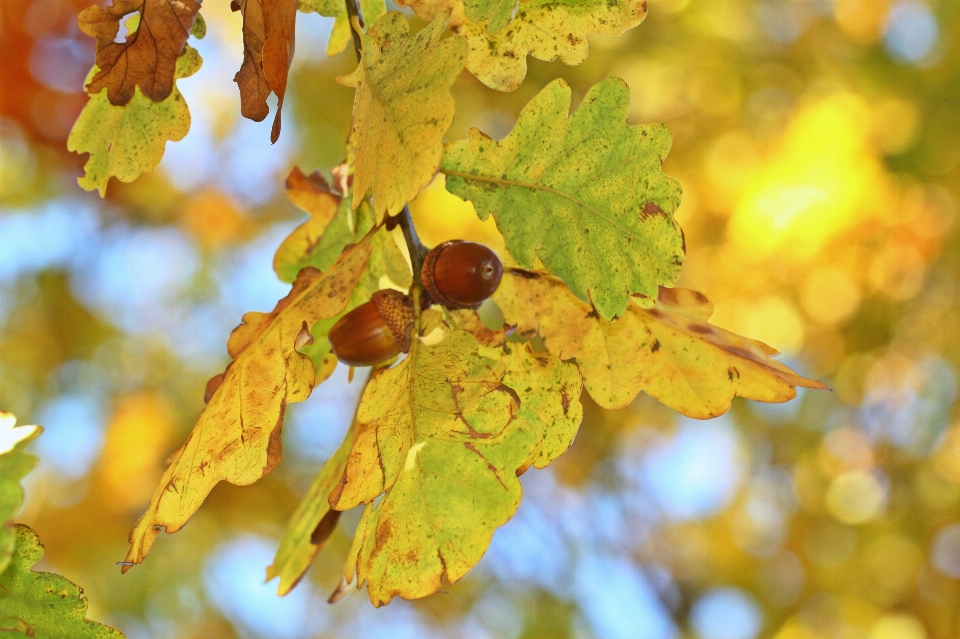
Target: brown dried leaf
[
  {"x": 253, "y": 84},
  {"x": 268, "y": 43},
  {"x": 148, "y": 56}
]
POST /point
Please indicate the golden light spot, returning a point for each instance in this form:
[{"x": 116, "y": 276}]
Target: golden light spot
[
  {"x": 898, "y": 271},
  {"x": 830, "y": 296},
  {"x": 895, "y": 125},
  {"x": 824, "y": 178},
  {"x": 862, "y": 20},
  {"x": 137, "y": 441},
  {"x": 772, "y": 320},
  {"x": 893, "y": 561},
  {"x": 215, "y": 220},
  {"x": 732, "y": 163},
  {"x": 898, "y": 626},
  {"x": 946, "y": 461},
  {"x": 440, "y": 216},
  {"x": 855, "y": 497},
  {"x": 845, "y": 449}
]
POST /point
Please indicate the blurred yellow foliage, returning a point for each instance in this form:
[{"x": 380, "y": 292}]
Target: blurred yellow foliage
[{"x": 138, "y": 438}]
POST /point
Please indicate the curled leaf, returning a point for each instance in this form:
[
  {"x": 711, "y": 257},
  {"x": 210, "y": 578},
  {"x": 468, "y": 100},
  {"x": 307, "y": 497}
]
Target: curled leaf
[{"x": 269, "y": 27}]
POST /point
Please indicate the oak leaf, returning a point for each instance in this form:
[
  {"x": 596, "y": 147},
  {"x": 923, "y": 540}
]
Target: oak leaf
[
  {"x": 43, "y": 605},
  {"x": 320, "y": 240},
  {"x": 669, "y": 351},
  {"x": 125, "y": 141},
  {"x": 341, "y": 32},
  {"x": 501, "y": 34},
  {"x": 311, "y": 524},
  {"x": 549, "y": 394},
  {"x": 15, "y": 464},
  {"x": 439, "y": 434},
  {"x": 402, "y": 108},
  {"x": 148, "y": 56},
  {"x": 584, "y": 193},
  {"x": 269, "y": 28},
  {"x": 237, "y": 438}
]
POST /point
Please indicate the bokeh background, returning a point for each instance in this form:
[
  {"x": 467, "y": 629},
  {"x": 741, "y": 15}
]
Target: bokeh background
[{"x": 818, "y": 143}]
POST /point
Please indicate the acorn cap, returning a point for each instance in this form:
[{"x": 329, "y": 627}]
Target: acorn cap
[{"x": 396, "y": 310}]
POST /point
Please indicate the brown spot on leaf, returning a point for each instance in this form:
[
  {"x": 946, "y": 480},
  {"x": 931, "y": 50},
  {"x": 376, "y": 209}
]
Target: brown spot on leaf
[
  {"x": 328, "y": 523},
  {"x": 509, "y": 391},
  {"x": 519, "y": 272},
  {"x": 702, "y": 329},
  {"x": 212, "y": 385},
  {"x": 564, "y": 400},
  {"x": 655, "y": 346},
  {"x": 493, "y": 469},
  {"x": 650, "y": 209}
]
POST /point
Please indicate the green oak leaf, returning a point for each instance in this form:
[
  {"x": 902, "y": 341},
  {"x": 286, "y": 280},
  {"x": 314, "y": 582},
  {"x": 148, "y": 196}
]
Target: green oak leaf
[
  {"x": 438, "y": 434},
  {"x": 15, "y": 464},
  {"x": 402, "y": 108},
  {"x": 584, "y": 193},
  {"x": 496, "y": 13},
  {"x": 42, "y": 605},
  {"x": 123, "y": 142}
]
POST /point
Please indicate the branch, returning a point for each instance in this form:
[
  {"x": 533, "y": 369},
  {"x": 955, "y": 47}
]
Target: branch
[
  {"x": 353, "y": 11},
  {"x": 417, "y": 250}
]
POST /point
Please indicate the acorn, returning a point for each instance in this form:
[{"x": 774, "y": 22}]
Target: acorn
[
  {"x": 375, "y": 331},
  {"x": 458, "y": 274}
]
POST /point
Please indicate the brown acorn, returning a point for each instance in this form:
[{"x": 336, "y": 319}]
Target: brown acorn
[
  {"x": 458, "y": 274},
  {"x": 374, "y": 331}
]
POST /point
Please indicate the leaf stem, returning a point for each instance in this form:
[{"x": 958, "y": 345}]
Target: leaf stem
[{"x": 353, "y": 11}]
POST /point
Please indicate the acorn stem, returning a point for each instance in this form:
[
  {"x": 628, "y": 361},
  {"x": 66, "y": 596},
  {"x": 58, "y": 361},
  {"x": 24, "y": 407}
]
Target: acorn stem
[{"x": 417, "y": 250}]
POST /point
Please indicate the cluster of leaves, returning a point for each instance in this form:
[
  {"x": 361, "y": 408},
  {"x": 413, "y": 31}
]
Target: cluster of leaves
[
  {"x": 439, "y": 439},
  {"x": 33, "y": 604}
]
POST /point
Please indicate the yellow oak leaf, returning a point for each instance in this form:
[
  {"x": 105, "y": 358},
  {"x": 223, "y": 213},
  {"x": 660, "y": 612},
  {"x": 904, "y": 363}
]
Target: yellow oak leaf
[
  {"x": 548, "y": 390},
  {"x": 125, "y": 141},
  {"x": 237, "y": 438},
  {"x": 501, "y": 35},
  {"x": 669, "y": 351},
  {"x": 402, "y": 108},
  {"x": 439, "y": 435}
]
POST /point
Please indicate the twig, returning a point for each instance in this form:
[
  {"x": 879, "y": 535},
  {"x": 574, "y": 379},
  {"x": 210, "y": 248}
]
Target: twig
[
  {"x": 417, "y": 250},
  {"x": 353, "y": 11}
]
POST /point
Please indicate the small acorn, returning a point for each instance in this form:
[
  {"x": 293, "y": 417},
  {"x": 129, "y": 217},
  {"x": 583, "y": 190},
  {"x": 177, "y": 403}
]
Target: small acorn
[
  {"x": 458, "y": 274},
  {"x": 375, "y": 331}
]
